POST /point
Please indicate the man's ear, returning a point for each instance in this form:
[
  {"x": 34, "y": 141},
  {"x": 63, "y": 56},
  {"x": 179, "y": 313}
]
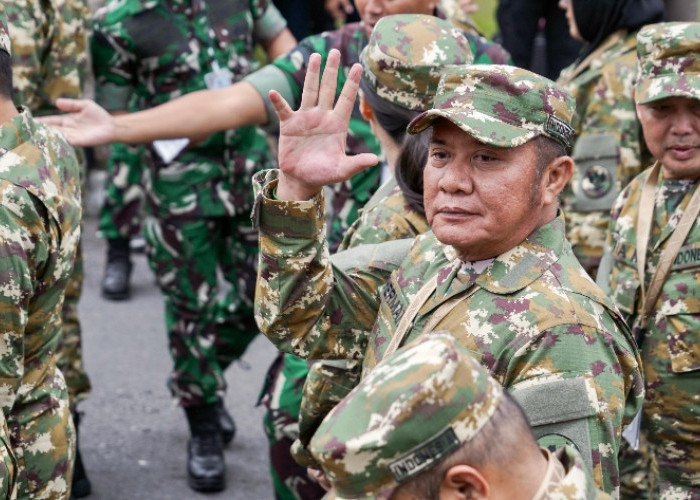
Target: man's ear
[
  {"x": 463, "y": 482},
  {"x": 557, "y": 174},
  {"x": 365, "y": 109}
]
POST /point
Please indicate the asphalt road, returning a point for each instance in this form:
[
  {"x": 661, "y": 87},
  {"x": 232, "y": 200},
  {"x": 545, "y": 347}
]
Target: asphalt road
[{"x": 132, "y": 436}]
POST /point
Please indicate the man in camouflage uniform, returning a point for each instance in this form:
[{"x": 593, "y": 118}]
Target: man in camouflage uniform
[
  {"x": 430, "y": 422},
  {"x": 501, "y": 278},
  {"x": 200, "y": 244},
  {"x": 654, "y": 243},
  {"x": 40, "y": 211},
  {"x": 609, "y": 149},
  {"x": 49, "y": 60},
  {"x": 397, "y": 85}
]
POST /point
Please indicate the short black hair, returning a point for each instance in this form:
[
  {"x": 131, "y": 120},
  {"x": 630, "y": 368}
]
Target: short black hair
[{"x": 5, "y": 75}]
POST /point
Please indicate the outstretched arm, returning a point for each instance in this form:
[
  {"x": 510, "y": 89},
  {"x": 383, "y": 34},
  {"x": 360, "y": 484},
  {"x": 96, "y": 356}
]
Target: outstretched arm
[
  {"x": 196, "y": 114},
  {"x": 312, "y": 139}
]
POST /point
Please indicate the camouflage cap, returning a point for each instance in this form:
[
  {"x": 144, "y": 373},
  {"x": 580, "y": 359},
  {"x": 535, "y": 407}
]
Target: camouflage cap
[
  {"x": 504, "y": 106},
  {"x": 406, "y": 55},
  {"x": 668, "y": 62},
  {"x": 413, "y": 409},
  {"x": 4, "y": 33}
]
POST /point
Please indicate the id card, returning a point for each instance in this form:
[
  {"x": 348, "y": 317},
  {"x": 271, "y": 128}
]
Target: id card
[
  {"x": 218, "y": 78},
  {"x": 631, "y": 432},
  {"x": 168, "y": 149}
]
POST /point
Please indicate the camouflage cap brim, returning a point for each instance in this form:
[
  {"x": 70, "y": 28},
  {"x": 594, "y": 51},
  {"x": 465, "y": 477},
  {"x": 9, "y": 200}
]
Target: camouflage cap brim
[
  {"x": 472, "y": 122},
  {"x": 663, "y": 87}
]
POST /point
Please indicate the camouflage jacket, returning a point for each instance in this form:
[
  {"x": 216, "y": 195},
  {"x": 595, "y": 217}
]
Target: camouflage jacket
[
  {"x": 286, "y": 75},
  {"x": 568, "y": 478},
  {"x": 147, "y": 52},
  {"x": 678, "y": 303},
  {"x": 534, "y": 318},
  {"x": 49, "y": 51},
  {"x": 609, "y": 147},
  {"x": 40, "y": 210}
]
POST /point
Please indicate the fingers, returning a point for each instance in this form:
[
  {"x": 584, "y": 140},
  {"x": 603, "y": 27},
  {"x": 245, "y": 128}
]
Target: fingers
[
  {"x": 346, "y": 100},
  {"x": 351, "y": 165},
  {"x": 309, "y": 94},
  {"x": 51, "y": 120},
  {"x": 281, "y": 107},
  {"x": 71, "y": 105},
  {"x": 329, "y": 82}
]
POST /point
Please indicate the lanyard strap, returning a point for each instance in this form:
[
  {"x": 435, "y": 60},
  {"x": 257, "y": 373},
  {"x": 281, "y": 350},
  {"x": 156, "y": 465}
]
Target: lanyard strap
[
  {"x": 412, "y": 311},
  {"x": 668, "y": 255}
]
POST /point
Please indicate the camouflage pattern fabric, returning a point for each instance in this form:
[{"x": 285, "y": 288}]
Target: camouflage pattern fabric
[
  {"x": 669, "y": 341},
  {"x": 8, "y": 461},
  {"x": 533, "y": 307},
  {"x": 286, "y": 75},
  {"x": 145, "y": 54},
  {"x": 121, "y": 210},
  {"x": 49, "y": 60},
  {"x": 40, "y": 200},
  {"x": 609, "y": 147},
  {"x": 668, "y": 63}
]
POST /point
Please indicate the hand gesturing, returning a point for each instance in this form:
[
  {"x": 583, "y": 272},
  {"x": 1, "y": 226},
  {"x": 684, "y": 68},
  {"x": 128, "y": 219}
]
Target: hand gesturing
[{"x": 312, "y": 139}]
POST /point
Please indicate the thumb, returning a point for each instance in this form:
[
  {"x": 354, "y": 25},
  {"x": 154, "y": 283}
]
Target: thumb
[{"x": 357, "y": 163}]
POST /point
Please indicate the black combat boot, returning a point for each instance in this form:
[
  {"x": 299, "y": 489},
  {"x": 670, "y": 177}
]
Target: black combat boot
[
  {"x": 226, "y": 423},
  {"x": 115, "y": 282},
  {"x": 205, "y": 451},
  {"x": 80, "y": 486}
]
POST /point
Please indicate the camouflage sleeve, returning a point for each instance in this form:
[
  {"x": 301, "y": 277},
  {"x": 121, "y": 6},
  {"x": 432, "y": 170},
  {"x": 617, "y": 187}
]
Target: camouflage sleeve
[
  {"x": 594, "y": 401},
  {"x": 113, "y": 64},
  {"x": 304, "y": 304},
  {"x": 269, "y": 22},
  {"x": 49, "y": 51},
  {"x": 487, "y": 52},
  {"x": 8, "y": 463},
  {"x": 25, "y": 246}
]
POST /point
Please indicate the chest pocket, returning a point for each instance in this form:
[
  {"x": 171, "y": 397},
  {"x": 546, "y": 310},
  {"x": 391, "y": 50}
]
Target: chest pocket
[
  {"x": 681, "y": 310},
  {"x": 162, "y": 48},
  {"x": 595, "y": 183}
]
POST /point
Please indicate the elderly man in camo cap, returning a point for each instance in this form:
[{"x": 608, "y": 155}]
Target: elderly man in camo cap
[
  {"x": 495, "y": 270},
  {"x": 654, "y": 241},
  {"x": 430, "y": 422}
]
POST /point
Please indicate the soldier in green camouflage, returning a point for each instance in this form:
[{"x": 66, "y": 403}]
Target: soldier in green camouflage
[
  {"x": 609, "y": 149},
  {"x": 40, "y": 211},
  {"x": 655, "y": 236},
  {"x": 430, "y": 422},
  {"x": 399, "y": 79},
  {"x": 501, "y": 278},
  {"x": 49, "y": 60},
  {"x": 200, "y": 244}
]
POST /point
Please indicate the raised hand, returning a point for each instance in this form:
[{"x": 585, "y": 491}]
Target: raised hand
[
  {"x": 312, "y": 139},
  {"x": 86, "y": 124}
]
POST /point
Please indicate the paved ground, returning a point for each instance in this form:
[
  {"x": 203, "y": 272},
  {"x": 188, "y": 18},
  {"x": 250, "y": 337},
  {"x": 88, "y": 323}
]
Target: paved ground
[{"x": 133, "y": 438}]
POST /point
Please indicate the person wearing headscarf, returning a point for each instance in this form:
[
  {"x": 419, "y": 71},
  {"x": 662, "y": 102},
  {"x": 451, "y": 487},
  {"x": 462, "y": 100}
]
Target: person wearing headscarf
[{"x": 609, "y": 149}]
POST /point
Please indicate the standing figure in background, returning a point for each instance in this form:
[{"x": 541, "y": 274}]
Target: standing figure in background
[
  {"x": 519, "y": 22},
  {"x": 200, "y": 243},
  {"x": 40, "y": 218},
  {"x": 609, "y": 149},
  {"x": 49, "y": 60},
  {"x": 653, "y": 245}
]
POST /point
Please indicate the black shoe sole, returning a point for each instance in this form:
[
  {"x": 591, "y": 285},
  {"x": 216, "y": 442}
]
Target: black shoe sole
[
  {"x": 115, "y": 296},
  {"x": 81, "y": 488},
  {"x": 206, "y": 484}
]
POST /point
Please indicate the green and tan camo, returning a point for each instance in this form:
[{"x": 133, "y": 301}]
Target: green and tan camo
[
  {"x": 670, "y": 338},
  {"x": 414, "y": 409},
  {"x": 603, "y": 91},
  {"x": 286, "y": 75},
  {"x": 407, "y": 54},
  {"x": 49, "y": 51},
  {"x": 668, "y": 61},
  {"x": 536, "y": 320},
  {"x": 501, "y": 105},
  {"x": 40, "y": 211}
]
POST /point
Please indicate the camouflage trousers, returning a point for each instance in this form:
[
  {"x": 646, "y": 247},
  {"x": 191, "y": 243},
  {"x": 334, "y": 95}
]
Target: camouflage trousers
[
  {"x": 206, "y": 270},
  {"x": 121, "y": 210},
  {"x": 281, "y": 395},
  {"x": 42, "y": 437},
  {"x": 8, "y": 463},
  {"x": 70, "y": 350},
  {"x": 671, "y": 421}
]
